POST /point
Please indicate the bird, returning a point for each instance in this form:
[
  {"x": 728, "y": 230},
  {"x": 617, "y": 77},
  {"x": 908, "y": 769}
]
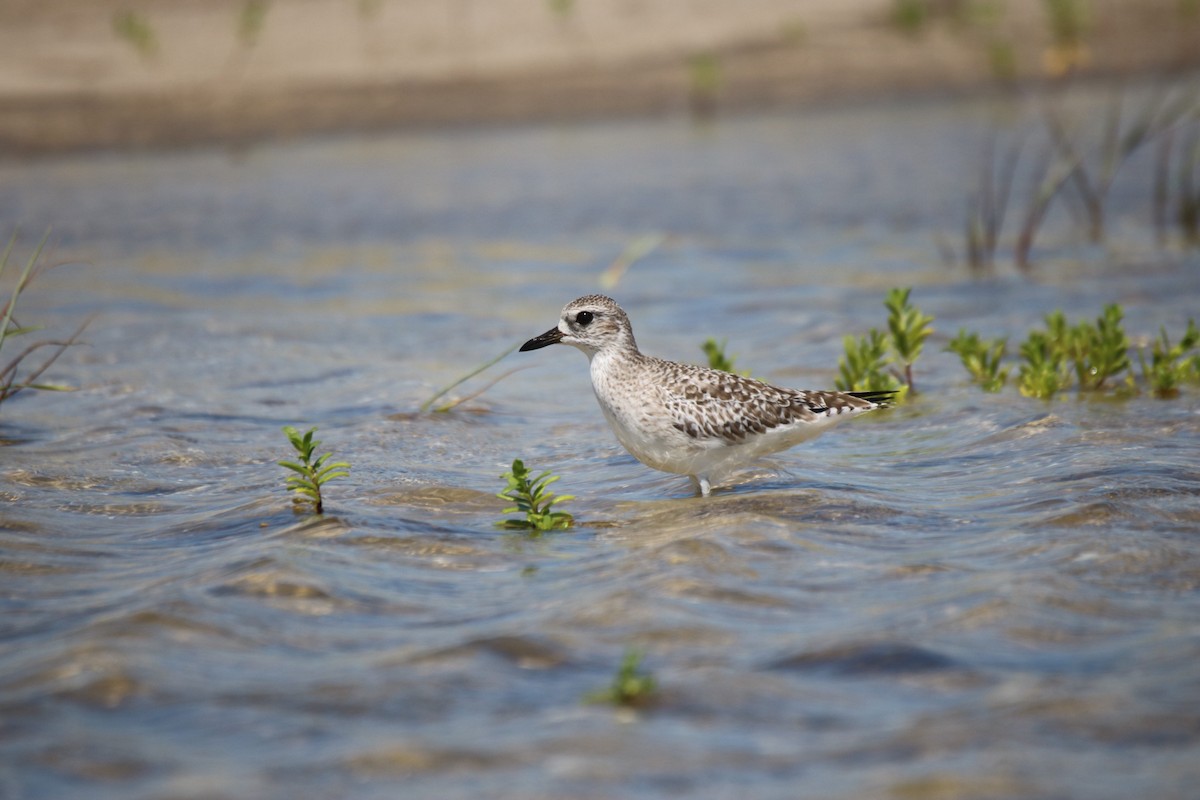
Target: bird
[{"x": 684, "y": 418}]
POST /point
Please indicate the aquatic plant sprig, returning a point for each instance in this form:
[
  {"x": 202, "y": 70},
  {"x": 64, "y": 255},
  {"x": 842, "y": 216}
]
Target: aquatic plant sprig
[
  {"x": 311, "y": 474},
  {"x": 863, "y": 366},
  {"x": 136, "y": 30},
  {"x": 909, "y": 328},
  {"x": 1093, "y": 352},
  {"x": 440, "y": 393},
  {"x": 1099, "y": 351},
  {"x": 982, "y": 358},
  {"x": 11, "y": 382},
  {"x": 867, "y": 364},
  {"x": 1167, "y": 367},
  {"x": 631, "y": 687},
  {"x": 531, "y": 497},
  {"x": 1043, "y": 371},
  {"x": 714, "y": 351}
]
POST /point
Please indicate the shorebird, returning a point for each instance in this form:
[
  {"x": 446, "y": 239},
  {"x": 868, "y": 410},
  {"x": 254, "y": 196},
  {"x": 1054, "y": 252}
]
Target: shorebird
[{"x": 687, "y": 419}]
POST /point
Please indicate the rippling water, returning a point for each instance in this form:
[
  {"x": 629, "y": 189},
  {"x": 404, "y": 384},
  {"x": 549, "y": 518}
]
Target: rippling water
[{"x": 970, "y": 596}]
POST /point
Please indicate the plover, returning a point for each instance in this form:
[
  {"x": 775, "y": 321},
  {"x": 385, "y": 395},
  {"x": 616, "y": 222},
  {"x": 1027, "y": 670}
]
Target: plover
[{"x": 687, "y": 419}]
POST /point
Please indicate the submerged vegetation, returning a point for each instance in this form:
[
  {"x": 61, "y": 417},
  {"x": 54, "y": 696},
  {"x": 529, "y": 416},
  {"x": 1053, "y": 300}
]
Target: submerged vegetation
[
  {"x": 311, "y": 473},
  {"x": 883, "y": 361},
  {"x": 632, "y": 686},
  {"x": 12, "y": 379},
  {"x": 531, "y": 497}
]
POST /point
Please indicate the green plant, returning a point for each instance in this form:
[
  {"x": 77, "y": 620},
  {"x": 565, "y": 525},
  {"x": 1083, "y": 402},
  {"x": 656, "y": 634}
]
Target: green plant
[
  {"x": 368, "y": 9},
  {"x": 1087, "y": 355},
  {"x": 428, "y": 404},
  {"x": 1099, "y": 351},
  {"x": 910, "y": 16},
  {"x": 631, "y": 687},
  {"x": 704, "y": 70},
  {"x": 10, "y": 380},
  {"x": 866, "y": 364},
  {"x": 982, "y": 358},
  {"x": 1168, "y": 368},
  {"x": 909, "y": 328},
  {"x": 250, "y": 21},
  {"x": 1002, "y": 58},
  {"x": 717, "y": 359},
  {"x": 561, "y": 8},
  {"x": 863, "y": 368},
  {"x": 1068, "y": 20},
  {"x": 704, "y": 84},
  {"x": 136, "y": 30},
  {"x": 531, "y": 497},
  {"x": 1043, "y": 372},
  {"x": 311, "y": 474}
]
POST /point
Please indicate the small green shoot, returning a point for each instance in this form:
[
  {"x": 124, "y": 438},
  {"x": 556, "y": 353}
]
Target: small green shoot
[
  {"x": 863, "y": 368},
  {"x": 369, "y": 9},
  {"x": 531, "y": 497},
  {"x": 561, "y": 8},
  {"x": 1002, "y": 58},
  {"x": 250, "y": 21},
  {"x": 632, "y": 686},
  {"x": 910, "y": 16},
  {"x": 428, "y": 404},
  {"x": 909, "y": 329},
  {"x": 1099, "y": 351},
  {"x": 135, "y": 29},
  {"x": 704, "y": 84},
  {"x": 1094, "y": 352},
  {"x": 868, "y": 361},
  {"x": 311, "y": 474},
  {"x": 982, "y": 358},
  {"x": 1043, "y": 371},
  {"x": 1168, "y": 367},
  {"x": 1068, "y": 20},
  {"x": 717, "y": 358},
  {"x": 10, "y": 382}
]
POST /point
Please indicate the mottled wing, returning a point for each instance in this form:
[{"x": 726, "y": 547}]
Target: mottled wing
[{"x": 707, "y": 404}]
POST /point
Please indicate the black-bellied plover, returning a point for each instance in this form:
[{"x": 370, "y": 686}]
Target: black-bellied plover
[{"x": 687, "y": 419}]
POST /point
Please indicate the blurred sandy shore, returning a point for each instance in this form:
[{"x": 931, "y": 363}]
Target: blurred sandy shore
[{"x": 109, "y": 73}]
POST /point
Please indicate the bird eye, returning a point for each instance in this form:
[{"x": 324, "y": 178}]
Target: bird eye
[{"x": 583, "y": 318}]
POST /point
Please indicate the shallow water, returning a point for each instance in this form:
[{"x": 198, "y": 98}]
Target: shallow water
[{"x": 971, "y": 596}]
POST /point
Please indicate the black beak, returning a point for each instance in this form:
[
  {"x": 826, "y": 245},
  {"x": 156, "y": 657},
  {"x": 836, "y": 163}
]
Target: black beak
[{"x": 552, "y": 336}]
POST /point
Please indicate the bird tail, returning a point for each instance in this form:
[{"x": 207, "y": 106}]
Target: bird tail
[{"x": 883, "y": 398}]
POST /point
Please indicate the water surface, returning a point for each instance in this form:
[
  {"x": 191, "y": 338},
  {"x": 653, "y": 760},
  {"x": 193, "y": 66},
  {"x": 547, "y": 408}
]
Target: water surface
[{"x": 970, "y": 596}]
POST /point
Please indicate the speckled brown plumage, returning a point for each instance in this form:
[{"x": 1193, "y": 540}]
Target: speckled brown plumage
[{"x": 684, "y": 418}]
